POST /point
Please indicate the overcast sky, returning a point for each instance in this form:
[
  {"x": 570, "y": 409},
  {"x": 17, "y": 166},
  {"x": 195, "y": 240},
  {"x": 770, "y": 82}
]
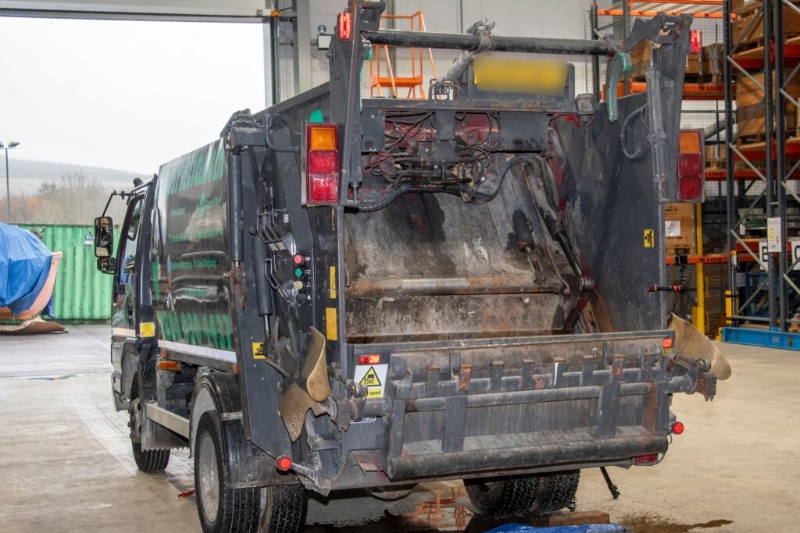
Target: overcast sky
[{"x": 123, "y": 95}]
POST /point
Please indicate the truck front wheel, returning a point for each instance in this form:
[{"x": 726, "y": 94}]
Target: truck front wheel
[
  {"x": 220, "y": 507},
  {"x": 539, "y": 493},
  {"x": 146, "y": 460}
]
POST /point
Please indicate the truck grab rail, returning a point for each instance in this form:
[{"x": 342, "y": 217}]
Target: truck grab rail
[{"x": 491, "y": 43}]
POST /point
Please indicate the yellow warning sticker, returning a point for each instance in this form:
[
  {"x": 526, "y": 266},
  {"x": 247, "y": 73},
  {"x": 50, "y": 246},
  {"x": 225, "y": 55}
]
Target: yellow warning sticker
[
  {"x": 259, "y": 351},
  {"x": 147, "y": 329},
  {"x": 331, "y": 324},
  {"x": 649, "y": 238},
  {"x": 373, "y": 377},
  {"x": 333, "y": 283}
]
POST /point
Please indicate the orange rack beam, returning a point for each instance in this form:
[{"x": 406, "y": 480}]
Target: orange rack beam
[{"x": 709, "y": 259}]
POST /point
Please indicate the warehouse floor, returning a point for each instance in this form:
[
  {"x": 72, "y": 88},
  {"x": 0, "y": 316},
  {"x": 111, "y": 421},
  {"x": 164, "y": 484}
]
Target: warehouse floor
[{"x": 65, "y": 462}]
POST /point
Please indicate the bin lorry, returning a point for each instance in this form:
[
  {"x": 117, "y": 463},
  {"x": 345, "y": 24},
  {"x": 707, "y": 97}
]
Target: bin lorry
[{"x": 345, "y": 292}]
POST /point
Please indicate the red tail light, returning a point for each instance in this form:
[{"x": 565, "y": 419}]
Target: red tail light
[
  {"x": 344, "y": 25},
  {"x": 691, "y": 172},
  {"x": 678, "y": 428},
  {"x": 372, "y": 359},
  {"x": 283, "y": 463},
  {"x": 695, "y": 41},
  {"x": 322, "y": 164},
  {"x": 649, "y": 459}
]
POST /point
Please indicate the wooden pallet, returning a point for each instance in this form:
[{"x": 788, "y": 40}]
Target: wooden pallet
[
  {"x": 751, "y": 139},
  {"x": 749, "y": 103},
  {"x": 748, "y": 31},
  {"x": 745, "y": 8}
]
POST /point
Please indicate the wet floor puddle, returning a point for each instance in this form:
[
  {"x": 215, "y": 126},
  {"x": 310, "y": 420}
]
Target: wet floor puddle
[
  {"x": 446, "y": 512},
  {"x": 654, "y": 524}
]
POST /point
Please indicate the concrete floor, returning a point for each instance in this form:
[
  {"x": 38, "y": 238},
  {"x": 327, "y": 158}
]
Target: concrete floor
[{"x": 65, "y": 461}]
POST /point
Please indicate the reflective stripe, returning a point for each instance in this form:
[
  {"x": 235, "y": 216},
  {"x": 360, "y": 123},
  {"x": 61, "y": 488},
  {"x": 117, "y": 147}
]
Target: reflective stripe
[
  {"x": 202, "y": 351},
  {"x": 123, "y": 332}
]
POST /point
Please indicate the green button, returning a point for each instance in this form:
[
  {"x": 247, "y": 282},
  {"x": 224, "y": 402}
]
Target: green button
[
  {"x": 316, "y": 117},
  {"x": 298, "y": 272}
]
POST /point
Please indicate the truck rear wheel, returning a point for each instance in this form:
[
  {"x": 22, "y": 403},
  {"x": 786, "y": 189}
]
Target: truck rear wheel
[
  {"x": 539, "y": 493},
  {"x": 146, "y": 460},
  {"x": 285, "y": 510},
  {"x": 555, "y": 491},
  {"x": 220, "y": 507}
]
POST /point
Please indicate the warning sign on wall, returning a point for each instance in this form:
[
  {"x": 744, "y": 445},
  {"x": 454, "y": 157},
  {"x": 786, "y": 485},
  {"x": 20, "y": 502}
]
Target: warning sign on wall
[{"x": 373, "y": 377}]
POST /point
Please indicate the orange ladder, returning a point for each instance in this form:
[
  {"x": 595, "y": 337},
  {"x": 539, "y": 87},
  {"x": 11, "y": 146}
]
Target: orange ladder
[{"x": 382, "y": 71}]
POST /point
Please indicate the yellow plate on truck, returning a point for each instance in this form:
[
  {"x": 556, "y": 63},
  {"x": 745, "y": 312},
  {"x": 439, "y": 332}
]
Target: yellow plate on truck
[{"x": 520, "y": 75}]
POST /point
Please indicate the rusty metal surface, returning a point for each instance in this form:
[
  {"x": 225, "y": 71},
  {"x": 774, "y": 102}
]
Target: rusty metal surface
[
  {"x": 432, "y": 267},
  {"x": 404, "y": 318}
]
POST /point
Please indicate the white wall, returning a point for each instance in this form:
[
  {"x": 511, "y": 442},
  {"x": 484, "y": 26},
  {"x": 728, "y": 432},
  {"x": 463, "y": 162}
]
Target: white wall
[
  {"x": 525, "y": 18},
  {"x": 222, "y": 8}
]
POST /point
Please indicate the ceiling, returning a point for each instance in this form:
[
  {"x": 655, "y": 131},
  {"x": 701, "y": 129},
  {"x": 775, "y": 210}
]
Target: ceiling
[{"x": 141, "y": 9}]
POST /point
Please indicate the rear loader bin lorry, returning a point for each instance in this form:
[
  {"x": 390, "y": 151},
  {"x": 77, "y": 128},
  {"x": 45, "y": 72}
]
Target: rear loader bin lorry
[{"x": 343, "y": 292}]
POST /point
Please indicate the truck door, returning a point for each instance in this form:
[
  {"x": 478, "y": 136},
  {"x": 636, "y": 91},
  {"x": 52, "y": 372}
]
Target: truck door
[
  {"x": 125, "y": 275},
  {"x": 123, "y": 305}
]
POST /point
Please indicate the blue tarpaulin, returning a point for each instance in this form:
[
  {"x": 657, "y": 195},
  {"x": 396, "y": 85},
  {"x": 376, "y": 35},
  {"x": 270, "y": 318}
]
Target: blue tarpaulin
[
  {"x": 24, "y": 266},
  {"x": 591, "y": 528}
]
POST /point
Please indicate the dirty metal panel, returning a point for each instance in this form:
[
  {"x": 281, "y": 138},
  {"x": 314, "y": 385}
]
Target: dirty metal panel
[
  {"x": 399, "y": 318},
  {"x": 524, "y": 131},
  {"x": 430, "y": 266},
  {"x": 431, "y": 236},
  {"x": 502, "y": 453},
  {"x": 541, "y": 351},
  {"x": 524, "y": 395},
  {"x": 609, "y": 202}
]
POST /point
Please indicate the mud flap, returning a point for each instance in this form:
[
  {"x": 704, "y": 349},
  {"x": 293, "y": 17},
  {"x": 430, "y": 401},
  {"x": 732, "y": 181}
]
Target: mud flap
[
  {"x": 315, "y": 370},
  {"x": 691, "y": 342},
  {"x": 298, "y": 399}
]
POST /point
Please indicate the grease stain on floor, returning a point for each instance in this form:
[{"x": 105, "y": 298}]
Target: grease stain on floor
[{"x": 657, "y": 524}]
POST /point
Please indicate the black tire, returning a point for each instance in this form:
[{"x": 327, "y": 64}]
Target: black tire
[
  {"x": 501, "y": 497},
  {"x": 555, "y": 491},
  {"x": 220, "y": 507},
  {"x": 146, "y": 460},
  {"x": 285, "y": 509},
  {"x": 512, "y": 496}
]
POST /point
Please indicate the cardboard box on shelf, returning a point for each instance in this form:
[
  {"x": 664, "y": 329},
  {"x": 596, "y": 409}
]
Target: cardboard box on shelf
[
  {"x": 642, "y": 58},
  {"x": 749, "y": 94},
  {"x": 712, "y": 59},
  {"x": 679, "y": 228}
]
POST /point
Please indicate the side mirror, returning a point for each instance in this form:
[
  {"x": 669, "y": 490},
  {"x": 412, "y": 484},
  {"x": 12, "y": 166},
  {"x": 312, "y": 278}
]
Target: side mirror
[
  {"x": 106, "y": 265},
  {"x": 103, "y": 238}
]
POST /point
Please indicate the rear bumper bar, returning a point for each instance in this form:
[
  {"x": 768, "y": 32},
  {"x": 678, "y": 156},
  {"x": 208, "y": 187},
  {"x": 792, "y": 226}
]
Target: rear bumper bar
[
  {"x": 503, "y": 453},
  {"x": 477, "y": 407}
]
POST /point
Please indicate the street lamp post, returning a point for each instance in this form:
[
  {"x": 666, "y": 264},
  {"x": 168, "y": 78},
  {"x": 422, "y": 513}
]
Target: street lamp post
[{"x": 11, "y": 145}]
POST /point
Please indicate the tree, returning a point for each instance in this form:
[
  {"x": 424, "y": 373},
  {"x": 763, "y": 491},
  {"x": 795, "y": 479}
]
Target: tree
[{"x": 72, "y": 199}]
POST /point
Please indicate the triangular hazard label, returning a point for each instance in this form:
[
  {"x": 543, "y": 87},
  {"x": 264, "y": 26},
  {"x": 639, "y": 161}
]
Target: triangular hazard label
[{"x": 370, "y": 379}]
